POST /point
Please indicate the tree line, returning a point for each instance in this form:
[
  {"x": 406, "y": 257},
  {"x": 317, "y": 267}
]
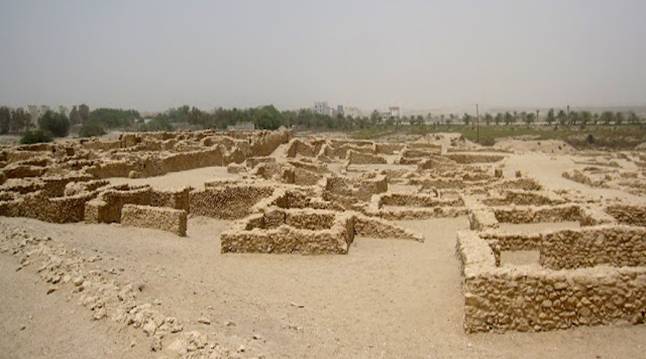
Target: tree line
[{"x": 97, "y": 121}]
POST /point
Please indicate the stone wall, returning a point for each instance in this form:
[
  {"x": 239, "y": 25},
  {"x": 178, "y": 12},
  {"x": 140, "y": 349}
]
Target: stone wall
[
  {"x": 634, "y": 215},
  {"x": 165, "y": 219},
  {"x": 39, "y": 206},
  {"x": 106, "y": 208},
  {"x": 271, "y": 233},
  {"x": 359, "y": 158},
  {"x": 467, "y": 158},
  {"x": 306, "y": 231},
  {"x": 228, "y": 202},
  {"x": 527, "y": 298}
]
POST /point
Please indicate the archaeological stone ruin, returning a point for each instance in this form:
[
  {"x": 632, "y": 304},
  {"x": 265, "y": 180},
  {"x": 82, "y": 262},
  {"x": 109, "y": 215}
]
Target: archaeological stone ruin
[{"x": 281, "y": 194}]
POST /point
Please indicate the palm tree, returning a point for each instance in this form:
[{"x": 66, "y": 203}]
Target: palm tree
[
  {"x": 466, "y": 118},
  {"x": 619, "y": 118},
  {"x": 550, "y": 117},
  {"x": 529, "y": 118},
  {"x": 488, "y": 118},
  {"x": 562, "y": 117}
]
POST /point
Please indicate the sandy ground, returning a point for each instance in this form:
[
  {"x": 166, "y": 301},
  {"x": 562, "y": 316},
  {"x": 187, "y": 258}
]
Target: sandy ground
[
  {"x": 36, "y": 325},
  {"x": 194, "y": 178},
  {"x": 385, "y": 299}
]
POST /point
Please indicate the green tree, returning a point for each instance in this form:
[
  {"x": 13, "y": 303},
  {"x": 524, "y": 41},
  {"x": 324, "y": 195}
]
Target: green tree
[
  {"x": 574, "y": 118},
  {"x": 509, "y": 118},
  {"x": 607, "y": 117},
  {"x": 619, "y": 118},
  {"x": 466, "y": 119},
  {"x": 84, "y": 112},
  {"x": 112, "y": 117},
  {"x": 91, "y": 129},
  {"x": 488, "y": 119},
  {"x": 633, "y": 119},
  {"x": 20, "y": 120},
  {"x": 585, "y": 118},
  {"x": 5, "y": 119},
  {"x": 55, "y": 123},
  {"x": 562, "y": 117},
  {"x": 529, "y": 118},
  {"x": 550, "y": 118},
  {"x": 268, "y": 118},
  {"x": 75, "y": 116},
  {"x": 498, "y": 119}
]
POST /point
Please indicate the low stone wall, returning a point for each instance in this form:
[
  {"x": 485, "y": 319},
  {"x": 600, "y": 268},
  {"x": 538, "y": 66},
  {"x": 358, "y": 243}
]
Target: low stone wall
[
  {"x": 359, "y": 158},
  {"x": 106, "y": 208},
  {"x": 298, "y": 147},
  {"x": 526, "y": 184},
  {"x": 524, "y": 198},
  {"x": 23, "y": 171},
  {"x": 466, "y": 158},
  {"x": 227, "y": 202},
  {"x": 634, "y": 215},
  {"x": 165, "y": 219},
  {"x": 177, "y": 199},
  {"x": 580, "y": 177},
  {"x": 39, "y": 206},
  {"x": 414, "y": 200},
  {"x": 536, "y": 214},
  {"x": 388, "y": 148},
  {"x": 270, "y": 233},
  {"x": 306, "y": 231},
  {"x": 481, "y": 219},
  {"x": 378, "y": 228},
  {"x": 527, "y": 298}
]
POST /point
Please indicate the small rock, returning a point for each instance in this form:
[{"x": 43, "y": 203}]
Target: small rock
[
  {"x": 241, "y": 349},
  {"x": 77, "y": 281},
  {"x": 132, "y": 344},
  {"x": 156, "y": 344},
  {"x": 51, "y": 290},
  {"x": 229, "y": 323},
  {"x": 204, "y": 320},
  {"x": 296, "y": 305},
  {"x": 23, "y": 327}
]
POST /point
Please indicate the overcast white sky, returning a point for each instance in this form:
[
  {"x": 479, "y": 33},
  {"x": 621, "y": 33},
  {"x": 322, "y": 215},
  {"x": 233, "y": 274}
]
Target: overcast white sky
[{"x": 154, "y": 54}]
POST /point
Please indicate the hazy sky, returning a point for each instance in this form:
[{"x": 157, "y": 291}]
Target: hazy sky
[{"x": 418, "y": 54}]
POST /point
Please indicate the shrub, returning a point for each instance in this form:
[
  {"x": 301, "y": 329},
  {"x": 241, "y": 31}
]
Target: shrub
[
  {"x": 35, "y": 136},
  {"x": 91, "y": 129}
]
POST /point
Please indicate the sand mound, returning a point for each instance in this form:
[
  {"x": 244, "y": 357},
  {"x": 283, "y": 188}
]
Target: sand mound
[{"x": 546, "y": 146}]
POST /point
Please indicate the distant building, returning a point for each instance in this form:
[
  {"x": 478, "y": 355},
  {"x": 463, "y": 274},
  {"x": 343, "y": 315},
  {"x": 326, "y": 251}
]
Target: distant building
[
  {"x": 322, "y": 108},
  {"x": 242, "y": 126},
  {"x": 352, "y": 112},
  {"x": 394, "y": 111}
]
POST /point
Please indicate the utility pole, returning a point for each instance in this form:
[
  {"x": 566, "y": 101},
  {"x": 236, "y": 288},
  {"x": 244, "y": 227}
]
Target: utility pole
[{"x": 477, "y": 124}]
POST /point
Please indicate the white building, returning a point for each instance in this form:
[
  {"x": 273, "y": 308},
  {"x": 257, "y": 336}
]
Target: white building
[
  {"x": 322, "y": 108},
  {"x": 394, "y": 111}
]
